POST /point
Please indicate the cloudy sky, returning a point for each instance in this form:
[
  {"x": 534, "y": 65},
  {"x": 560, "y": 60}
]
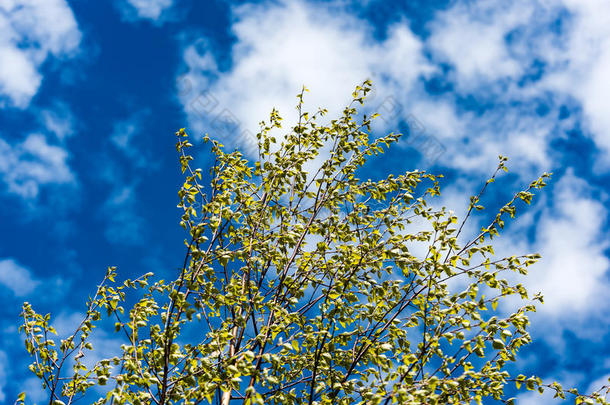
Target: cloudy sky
[{"x": 91, "y": 94}]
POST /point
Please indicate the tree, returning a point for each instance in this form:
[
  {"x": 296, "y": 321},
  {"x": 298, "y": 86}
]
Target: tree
[{"x": 304, "y": 287}]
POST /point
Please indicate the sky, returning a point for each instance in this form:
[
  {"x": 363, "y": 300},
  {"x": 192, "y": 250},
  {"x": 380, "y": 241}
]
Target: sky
[{"x": 91, "y": 94}]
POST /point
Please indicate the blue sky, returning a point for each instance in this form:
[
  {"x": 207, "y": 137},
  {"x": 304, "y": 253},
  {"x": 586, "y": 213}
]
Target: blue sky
[{"x": 91, "y": 94}]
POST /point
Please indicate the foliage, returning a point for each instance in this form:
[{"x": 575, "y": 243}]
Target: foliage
[{"x": 305, "y": 286}]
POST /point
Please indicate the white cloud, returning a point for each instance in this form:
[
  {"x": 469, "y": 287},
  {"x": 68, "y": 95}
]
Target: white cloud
[
  {"x": 58, "y": 120},
  {"x": 570, "y": 238},
  {"x": 3, "y": 373},
  {"x": 124, "y": 225},
  {"x": 17, "y": 278},
  {"x": 472, "y": 38},
  {"x": 19, "y": 79},
  {"x": 603, "y": 381},
  {"x": 568, "y": 231},
  {"x": 32, "y": 386},
  {"x": 473, "y": 140},
  {"x": 281, "y": 47},
  {"x": 66, "y": 323},
  {"x": 513, "y": 133},
  {"x": 123, "y": 133},
  {"x": 33, "y": 163},
  {"x": 493, "y": 45},
  {"x": 146, "y": 9},
  {"x": 439, "y": 117},
  {"x": 30, "y": 31},
  {"x": 126, "y": 136},
  {"x": 581, "y": 65}
]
